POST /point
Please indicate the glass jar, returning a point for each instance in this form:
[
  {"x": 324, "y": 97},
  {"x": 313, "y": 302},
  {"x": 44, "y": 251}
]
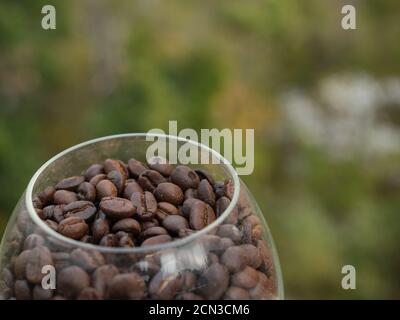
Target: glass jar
[{"x": 234, "y": 257}]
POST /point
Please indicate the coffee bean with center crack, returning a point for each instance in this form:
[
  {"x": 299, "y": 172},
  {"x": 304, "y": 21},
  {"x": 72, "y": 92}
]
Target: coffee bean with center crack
[
  {"x": 164, "y": 209},
  {"x": 136, "y": 168},
  {"x": 164, "y": 287},
  {"x": 109, "y": 240},
  {"x": 169, "y": 192},
  {"x": 117, "y": 208},
  {"x": 128, "y": 225},
  {"x": 64, "y": 197},
  {"x": 72, "y": 280},
  {"x": 118, "y": 165},
  {"x": 127, "y": 286},
  {"x": 184, "y": 177},
  {"x": 102, "y": 278},
  {"x": 201, "y": 215},
  {"x": 145, "y": 205},
  {"x": 86, "y": 191},
  {"x": 70, "y": 184},
  {"x": 118, "y": 179},
  {"x": 206, "y": 193},
  {"x": 150, "y": 179},
  {"x": 74, "y": 228},
  {"x": 84, "y": 210},
  {"x": 100, "y": 228}
]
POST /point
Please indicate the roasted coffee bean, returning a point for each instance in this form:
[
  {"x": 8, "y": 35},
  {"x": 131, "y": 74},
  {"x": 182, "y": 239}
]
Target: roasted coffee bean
[
  {"x": 127, "y": 286},
  {"x": 52, "y": 224},
  {"x": 88, "y": 260},
  {"x": 118, "y": 165},
  {"x": 71, "y": 281},
  {"x": 89, "y": 294},
  {"x": 164, "y": 209},
  {"x": 118, "y": 179},
  {"x": 126, "y": 242},
  {"x": 105, "y": 188},
  {"x": 37, "y": 203},
  {"x": 221, "y": 205},
  {"x": 169, "y": 192},
  {"x": 236, "y": 293},
  {"x": 102, "y": 278},
  {"x": 131, "y": 186},
  {"x": 189, "y": 280},
  {"x": 149, "y": 224},
  {"x": 47, "y": 212},
  {"x": 253, "y": 254},
  {"x": 40, "y": 213},
  {"x": 229, "y": 188},
  {"x": 21, "y": 262},
  {"x": 86, "y": 239},
  {"x": 39, "y": 293},
  {"x": 251, "y": 228},
  {"x": 64, "y": 197},
  {"x": 58, "y": 213},
  {"x": 84, "y": 210},
  {"x": 206, "y": 193},
  {"x": 46, "y": 196},
  {"x": 32, "y": 241},
  {"x": 74, "y": 228},
  {"x": 150, "y": 179},
  {"x": 22, "y": 290},
  {"x": 100, "y": 228},
  {"x": 70, "y": 184},
  {"x": 190, "y": 193},
  {"x": 264, "y": 288},
  {"x": 175, "y": 223},
  {"x": 156, "y": 240},
  {"x": 201, "y": 215},
  {"x": 145, "y": 205},
  {"x": 153, "y": 232},
  {"x": 117, "y": 208},
  {"x": 164, "y": 287},
  {"x": 182, "y": 233},
  {"x": 214, "y": 281},
  {"x": 234, "y": 258},
  {"x": 244, "y": 213},
  {"x": 187, "y": 206},
  {"x": 86, "y": 191},
  {"x": 219, "y": 189},
  {"x": 109, "y": 240},
  {"x": 128, "y": 225},
  {"x": 246, "y": 278},
  {"x": 184, "y": 177},
  {"x": 61, "y": 260},
  {"x": 40, "y": 257},
  {"x": 229, "y": 231},
  {"x": 203, "y": 174},
  {"x": 93, "y": 170},
  {"x": 136, "y": 168},
  {"x": 97, "y": 178},
  {"x": 161, "y": 165}
]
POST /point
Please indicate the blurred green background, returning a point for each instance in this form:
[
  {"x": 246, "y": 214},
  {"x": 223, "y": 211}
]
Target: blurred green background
[{"x": 324, "y": 103}]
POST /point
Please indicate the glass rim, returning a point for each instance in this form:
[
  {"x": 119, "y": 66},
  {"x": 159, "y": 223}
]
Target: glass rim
[{"x": 157, "y": 247}]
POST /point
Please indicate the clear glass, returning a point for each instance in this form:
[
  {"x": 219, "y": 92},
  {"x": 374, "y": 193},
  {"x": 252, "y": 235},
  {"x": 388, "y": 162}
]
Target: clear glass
[{"x": 193, "y": 267}]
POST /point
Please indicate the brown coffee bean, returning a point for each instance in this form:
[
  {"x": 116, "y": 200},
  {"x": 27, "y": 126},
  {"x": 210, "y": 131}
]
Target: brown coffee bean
[
  {"x": 71, "y": 281},
  {"x": 131, "y": 186},
  {"x": 169, "y": 192},
  {"x": 161, "y": 165},
  {"x": 206, "y": 193},
  {"x": 164, "y": 287},
  {"x": 37, "y": 203},
  {"x": 264, "y": 288},
  {"x": 39, "y": 293},
  {"x": 97, "y": 178},
  {"x": 61, "y": 260},
  {"x": 253, "y": 254},
  {"x": 125, "y": 241},
  {"x": 150, "y": 179},
  {"x": 251, "y": 229},
  {"x": 86, "y": 191},
  {"x": 153, "y": 232},
  {"x": 105, "y": 188},
  {"x": 236, "y": 293},
  {"x": 58, "y": 213},
  {"x": 86, "y": 239},
  {"x": 46, "y": 196},
  {"x": 52, "y": 224},
  {"x": 32, "y": 241},
  {"x": 189, "y": 280},
  {"x": 221, "y": 205},
  {"x": 84, "y": 210},
  {"x": 128, "y": 225},
  {"x": 184, "y": 177},
  {"x": 203, "y": 174},
  {"x": 230, "y": 231},
  {"x": 164, "y": 209},
  {"x": 219, "y": 189},
  {"x": 74, "y": 228},
  {"x": 190, "y": 193},
  {"x": 89, "y": 294},
  {"x": 234, "y": 258},
  {"x": 187, "y": 206},
  {"x": 156, "y": 240},
  {"x": 88, "y": 260},
  {"x": 246, "y": 278},
  {"x": 47, "y": 212},
  {"x": 118, "y": 165},
  {"x": 22, "y": 290},
  {"x": 149, "y": 224},
  {"x": 229, "y": 188},
  {"x": 118, "y": 179},
  {"x": 145, "y": 205},
  {"x": 175, "y": 223},
  {"x": 182, "y": 233},
  {"x": 117, "y": 208},
  {"x": 127, "y": 286},
  {"x": 100, "y": 228},
  {"x": 201, "y": 215},
  {"x": 102, "y": 278},
  {"x": 94, "y": 170},
  {"x": 64, "y": 197},
  {"x": 136, "y": 168},
  {"x": 109, "y": 240},
  {"x": 40, "y": 257},
  {"x": 70, "y": 184},
  {"x": 214, "y": 281},
  {"x": 20, "y": 263}
]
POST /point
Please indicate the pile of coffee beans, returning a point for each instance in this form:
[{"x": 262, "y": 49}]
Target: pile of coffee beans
[{"x": 118, "y": 204}]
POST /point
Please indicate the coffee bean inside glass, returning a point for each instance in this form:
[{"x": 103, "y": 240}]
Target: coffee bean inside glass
[{"x": 101, "y": 221}]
